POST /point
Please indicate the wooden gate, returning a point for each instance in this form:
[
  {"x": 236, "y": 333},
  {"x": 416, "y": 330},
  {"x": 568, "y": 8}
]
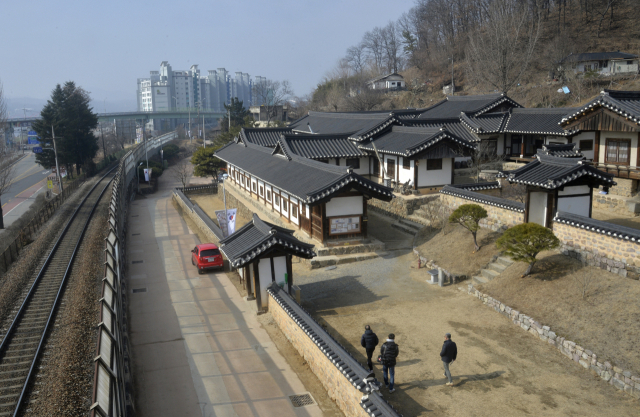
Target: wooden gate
[{"x": 316, "y": 223}]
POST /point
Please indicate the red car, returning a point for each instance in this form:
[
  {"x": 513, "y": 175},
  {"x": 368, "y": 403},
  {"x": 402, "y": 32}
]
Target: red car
[{"x": 206, "y": 256}]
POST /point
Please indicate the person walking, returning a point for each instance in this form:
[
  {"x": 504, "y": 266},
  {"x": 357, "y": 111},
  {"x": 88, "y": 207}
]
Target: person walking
[
  {"x": 388, "y": 353},
  {"x": 369, "y": 341},
  {"x": 448, "y": 354}
]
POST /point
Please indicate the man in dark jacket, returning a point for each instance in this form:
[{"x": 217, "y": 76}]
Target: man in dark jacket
[
  {"x": 389, "y": 352},
  {"x": 369, "y": 341},
  {"x": 448, "y": 354}
]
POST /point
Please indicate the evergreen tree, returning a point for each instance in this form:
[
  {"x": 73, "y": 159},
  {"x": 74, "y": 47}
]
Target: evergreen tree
[
  {"x": 469, "y": 216},
  {"x": 525, "y": 241},
  {"x": 236, "y": 110},
  {"x": 73, "y": 122},
  {"x": 205, "y": 162}
]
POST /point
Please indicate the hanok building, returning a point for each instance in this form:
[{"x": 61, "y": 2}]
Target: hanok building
[
  {"x": 327, "y": 202},
  {"x": 607, "y": 63},
  {"x": 262, "y": 253},
  {"x": 613, "y": 118},
  {"x": 557, "y": 184}
]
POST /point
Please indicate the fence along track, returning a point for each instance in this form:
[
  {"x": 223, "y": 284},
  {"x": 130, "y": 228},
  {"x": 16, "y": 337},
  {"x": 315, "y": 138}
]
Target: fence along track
[{"x": 25, "y": 337}]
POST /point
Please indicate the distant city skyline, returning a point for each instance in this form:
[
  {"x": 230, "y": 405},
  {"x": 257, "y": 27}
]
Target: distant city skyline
[{"x": 105, "y": 47}]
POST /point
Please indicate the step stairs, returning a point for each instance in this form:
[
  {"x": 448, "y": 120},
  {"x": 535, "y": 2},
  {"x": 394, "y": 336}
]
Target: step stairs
[
  {"x": 493, "y": 270},
  {"x": 330, "y": 260},
  {"x": 407, "y": 226}
]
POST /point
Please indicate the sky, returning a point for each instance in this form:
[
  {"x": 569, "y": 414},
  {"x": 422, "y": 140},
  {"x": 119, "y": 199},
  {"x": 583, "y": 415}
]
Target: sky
[{"x": 105, "y": 46}]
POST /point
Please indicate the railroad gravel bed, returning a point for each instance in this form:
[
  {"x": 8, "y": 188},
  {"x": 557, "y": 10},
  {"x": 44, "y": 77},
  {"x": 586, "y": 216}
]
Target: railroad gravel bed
[
  {"x": 65, "y": 378},
  {"x": 15, "y": 284}
]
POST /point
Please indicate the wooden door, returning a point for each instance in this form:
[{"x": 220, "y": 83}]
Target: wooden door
[
  {"x": 376, "y": 167},
  {"x": 316, "y": 222},
  {"x": 391, "y": 169}
]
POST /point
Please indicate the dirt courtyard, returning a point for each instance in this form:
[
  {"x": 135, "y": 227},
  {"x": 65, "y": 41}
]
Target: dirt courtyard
[{"x": 501, "y": 370}]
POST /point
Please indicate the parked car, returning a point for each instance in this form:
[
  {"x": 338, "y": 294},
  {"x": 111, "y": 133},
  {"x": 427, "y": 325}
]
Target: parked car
[{"x": 206, "y": 256}]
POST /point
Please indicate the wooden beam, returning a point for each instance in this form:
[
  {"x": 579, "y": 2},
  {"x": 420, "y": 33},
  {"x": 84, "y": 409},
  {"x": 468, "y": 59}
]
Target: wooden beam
[
  {"x": 289, "y": 273},
  {"x": 596, "y": 148},
  {"x": 247, "y": 282}
]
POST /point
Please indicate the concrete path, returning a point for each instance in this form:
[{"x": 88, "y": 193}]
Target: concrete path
[
  {"x": 28, "y": 181},
  {"x": 198, "y": 349}
]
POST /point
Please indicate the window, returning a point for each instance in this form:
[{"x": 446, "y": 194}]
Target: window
[
  {"x": 268, "y": 195},
  {"x": 629, "y": 62},
  {"x": 618, "y": 151},
  {"x": 276, "y": 199},
  {"x": 294, "y": 211},
  {"x": 285, "y": 205},
  {"x": 261, "y": 190},
  {"x": 434, "y": 164},
  {"x": 406, "y": 163},
  {"x": 586, "y": 145},
  {"x": 353, "y": 163},
  {"x": 253, "y": 187}
]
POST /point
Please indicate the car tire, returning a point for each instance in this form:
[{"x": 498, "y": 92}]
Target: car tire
[
  {"x": 199, "y": 271},
  {"x": 192, "y": 263}
]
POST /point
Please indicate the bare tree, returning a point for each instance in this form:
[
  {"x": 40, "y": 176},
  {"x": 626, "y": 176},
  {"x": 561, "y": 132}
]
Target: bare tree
[
  {"x": 3, "y": 120},
  {"x": 357, "y": 58},
  {"x": 6, "y": 178},
  {"x": 392, "y": 46},
  {"x": 515, "y": 192},
  {"x": 272, "y": 94},
  {"x": 182, "y": 171},
  {"x": 484, "y": 156},
  {"x": 437, "y": 214},
  {"x": 500, "y": 51},
  {"x": 584, "y": 279},
  {"x": 335, "y": 97}
]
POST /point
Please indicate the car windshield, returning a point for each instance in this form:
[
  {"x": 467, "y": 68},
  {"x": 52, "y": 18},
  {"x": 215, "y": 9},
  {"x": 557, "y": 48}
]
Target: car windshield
[{"x": 209, "y": 252}]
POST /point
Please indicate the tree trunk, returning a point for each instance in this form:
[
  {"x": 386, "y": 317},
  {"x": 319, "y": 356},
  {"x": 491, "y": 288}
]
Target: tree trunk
[
  {"x": 475, "y": 242},
  {"x": 529, "y": 268},
  {"x": 1, "y": 217}
]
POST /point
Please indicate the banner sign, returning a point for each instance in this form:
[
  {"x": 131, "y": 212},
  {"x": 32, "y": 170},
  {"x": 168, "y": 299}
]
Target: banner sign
[
  {"x": 147, "y": 173},
  {"x": 228, "y": 223}
]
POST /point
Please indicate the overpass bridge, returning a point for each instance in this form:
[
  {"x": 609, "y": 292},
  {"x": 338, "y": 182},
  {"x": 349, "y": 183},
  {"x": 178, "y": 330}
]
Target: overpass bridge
[{"x": 137, "y": 115}]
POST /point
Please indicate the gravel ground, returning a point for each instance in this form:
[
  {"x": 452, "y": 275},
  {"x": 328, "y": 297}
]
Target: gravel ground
[
  {"x": 22, "y": 272},
  {"x": 500, "y": 370},
  {"x": 65, "y": 380}
]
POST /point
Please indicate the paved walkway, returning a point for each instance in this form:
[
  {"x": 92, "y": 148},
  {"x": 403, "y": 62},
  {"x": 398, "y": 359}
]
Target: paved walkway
[{"x": 197, "y": 347}]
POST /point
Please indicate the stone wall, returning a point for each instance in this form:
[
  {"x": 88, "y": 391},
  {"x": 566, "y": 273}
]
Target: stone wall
[
  {"x": 346, "y": 396},
  {"x": 612, "y": 203},
  {"x": 498, "y": 218},
  {"x": 620, "y": 256},
  {"x": 619, "y": 378},
  {"x": 625, "y": 187},
  {"x": 191, "y": 210},
  {"x": 400, "y": 206}
]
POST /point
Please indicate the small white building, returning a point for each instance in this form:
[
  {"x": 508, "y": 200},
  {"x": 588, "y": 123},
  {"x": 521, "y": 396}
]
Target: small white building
[
  {"x": 393, "y": 81},
  {"x": 605, "y": 63}
]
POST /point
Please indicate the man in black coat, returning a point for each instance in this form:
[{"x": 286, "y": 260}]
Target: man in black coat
[
  {"x": 389, "y": 352},
  {"x": 369, "y": 341},
  {"x": 448, "y": 354}
]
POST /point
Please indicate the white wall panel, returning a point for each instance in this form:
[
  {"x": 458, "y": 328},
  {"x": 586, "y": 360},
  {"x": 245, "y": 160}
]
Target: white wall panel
[{"x": 344, "y": 206}]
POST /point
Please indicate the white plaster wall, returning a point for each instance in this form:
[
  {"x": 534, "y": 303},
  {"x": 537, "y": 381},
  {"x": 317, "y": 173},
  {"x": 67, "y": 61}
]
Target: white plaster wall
[
  {"x": 284, "y": 212},
  {"x": 619, "y": 135},
  {"x": 406, "y": 174},
  {"x": 435, "y": 177},
  {"x": 538, "y": 208},
  {"x": 586, "y": 136},
  {"x": 575, "y": 205},
  {"x": 294, "y": 220},
  {"x": 306, "y": 208},
  {"x": 264, "y": 268},
  {"x": 576, "y": 189},
  {"x": 555, "y": 139},
  {"x": 267, "y": 187},
  {"x": 280, "y": 268},
  {"x": 344, "y": 206},
  {"x": 260, "y": 184}
]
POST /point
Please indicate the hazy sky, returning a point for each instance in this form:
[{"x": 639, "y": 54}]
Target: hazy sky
[{"x": 104, "y": 46}]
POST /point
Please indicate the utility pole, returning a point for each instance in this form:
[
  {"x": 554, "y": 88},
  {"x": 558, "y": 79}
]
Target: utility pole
[
  {"x": 104, "y": 151},
  {"x": 189, "y": 123},
  {"x": 55, "y": 152},
  {"x": 204, "y": 136}
]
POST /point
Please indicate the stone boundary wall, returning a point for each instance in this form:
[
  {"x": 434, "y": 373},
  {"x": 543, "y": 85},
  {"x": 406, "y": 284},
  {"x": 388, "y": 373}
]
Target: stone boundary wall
[
  {"x": 195, "y": 213},
  {"x": 619, "y": 378},
  {"x": 620, "y": 256},
  {"x": 498, "y": 218},
  {"x": 625, "y": 187},
  {"x": 626, "y": 206},
  {"x": 399, "y": 207},
  {"x": 340, "y": 374}
]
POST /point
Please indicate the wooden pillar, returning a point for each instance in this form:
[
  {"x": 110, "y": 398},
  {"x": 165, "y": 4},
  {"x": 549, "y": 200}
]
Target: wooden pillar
[
  {"x": 596, "y": 148},
  {"x": 522, "y": 146},
  {"x": 273, "y": 270},
  {"x": 415, "y": 174},
  {"x": 247, "y": 282},
  {"x": 256, "y": 284},
  {"x": 289, "y": 274},
  {"x": 364, "y": 222}
]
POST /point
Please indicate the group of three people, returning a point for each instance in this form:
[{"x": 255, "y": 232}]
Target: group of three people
[{"x": 389, "y": 351}]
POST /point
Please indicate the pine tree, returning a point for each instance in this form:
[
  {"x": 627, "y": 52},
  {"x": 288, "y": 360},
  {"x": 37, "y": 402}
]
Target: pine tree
[
  {"x": 236, "y": 110},
  {"x": 525, "y": 241},
  {"x": 205, "y": 162},
  {"x": 469, "y": 216},
  {"x": 73, "y": 122}
]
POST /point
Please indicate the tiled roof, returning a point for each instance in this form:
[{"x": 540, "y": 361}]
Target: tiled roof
[
  {"x": 478, "y": 186},
  {"x": 339, "y": 123},
  {"x": 543, "y": 121},
  {"x": 624, "y": 103},
  {"x": 304, "y": 178},
  {"x": 346, "y": 364},
  {"x": 568, "y": 150},
  {"x": 553, "y": 172},
  {"x": 482, "y": 198},
  {"x": 257, "y": 237},
  {"x": 598, "y": 226},
  {"x": 598, "y": 56},
  {"x": 323, "y": 146},
  {"x": 454, "y": 126},
  {"x": 407, "y": 141},
  {"x": 485, "y": 123},
  {"x": 263, "y": 136},
  {"x": 452, "y": 106}
]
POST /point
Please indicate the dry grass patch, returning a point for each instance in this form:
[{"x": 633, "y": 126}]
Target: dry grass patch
[
  {"x": 211, "y": 203},
  {"x": 604, "y": 321},
  {"x": 627, "y": 221},
  {"x": 453, "y": 249}
]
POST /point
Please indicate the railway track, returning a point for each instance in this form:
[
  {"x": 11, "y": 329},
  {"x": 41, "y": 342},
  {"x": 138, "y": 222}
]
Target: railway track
[{"x": 25, "y": 338}]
